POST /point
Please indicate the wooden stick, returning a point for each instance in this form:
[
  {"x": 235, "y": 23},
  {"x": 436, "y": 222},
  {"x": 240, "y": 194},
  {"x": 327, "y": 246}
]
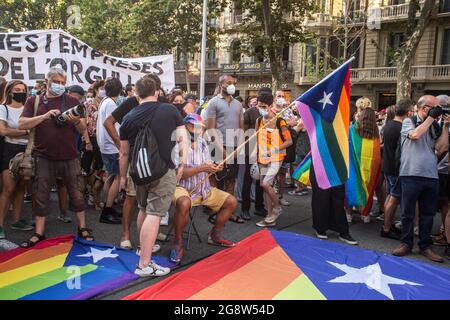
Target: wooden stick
[{"x": 231, "y": 155}]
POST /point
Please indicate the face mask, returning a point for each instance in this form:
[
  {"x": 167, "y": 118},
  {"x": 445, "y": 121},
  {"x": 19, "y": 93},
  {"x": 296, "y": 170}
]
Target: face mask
[
  {"x": 20, "y": 97},
  {"x": 180, "y": 106},
  {"x": 280, "y": 102},
  {"x": 263, "y": 112},
  {"x": 101, "y": 93},
  {"x": 231, "y": 89},
  {"x": 90, "y": 100},
  {"x": 57, "y": 89},
  {"x": 35, "y": 92}
]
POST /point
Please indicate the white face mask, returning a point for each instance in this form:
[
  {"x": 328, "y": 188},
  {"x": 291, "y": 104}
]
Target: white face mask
[
  {"x": 280, "y": 102},
  {"x": 101, "y": 93},
  {"x": 231, "y": 89}
]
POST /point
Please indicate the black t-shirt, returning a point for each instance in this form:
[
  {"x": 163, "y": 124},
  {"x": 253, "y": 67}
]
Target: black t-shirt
[
  {"x": 391, "y": 136},
  {"x": 125, "y": 107},
  {"x": 163, "y": 123}
]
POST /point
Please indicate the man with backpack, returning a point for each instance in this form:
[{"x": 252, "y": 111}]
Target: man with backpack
[
  {"x": 390, "y": 166},
  {"x": 422, "y": 141},
  {"x": 148, "y": 135}
]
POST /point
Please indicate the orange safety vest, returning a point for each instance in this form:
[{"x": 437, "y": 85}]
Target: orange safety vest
[{"x": 269, "y": 142}]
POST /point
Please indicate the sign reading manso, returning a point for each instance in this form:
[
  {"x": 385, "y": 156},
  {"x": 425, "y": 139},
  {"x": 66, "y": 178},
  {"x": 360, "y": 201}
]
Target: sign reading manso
[{"x": 28, "y": 55}]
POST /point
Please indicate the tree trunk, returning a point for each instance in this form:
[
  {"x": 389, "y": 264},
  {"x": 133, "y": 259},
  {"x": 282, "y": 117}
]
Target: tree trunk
[
  {"x": 274, "y": 69},
  {"x": 272, "y": 49},
  {"x": 406, "y": 55}
]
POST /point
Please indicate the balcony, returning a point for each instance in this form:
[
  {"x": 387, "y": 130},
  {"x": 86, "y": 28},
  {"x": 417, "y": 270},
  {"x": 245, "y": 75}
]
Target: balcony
[
  {"x": 356, "y": 17},
  {"x": 195, "y": 64},
  {"x": 437, "y": 73},
  {"x": 398, "y": 11},
  {"x": 254, "y": 68},
  {"x": 319, "y": 20}
]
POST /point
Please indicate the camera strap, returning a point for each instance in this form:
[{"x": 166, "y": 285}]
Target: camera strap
[{"x": 30, "y": 144}]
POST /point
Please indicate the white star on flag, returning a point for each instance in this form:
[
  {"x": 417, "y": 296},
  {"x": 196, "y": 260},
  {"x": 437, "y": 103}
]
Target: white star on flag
[
  {"x": 98, "y": 255},
  {"x": 326, "y": 100},
  {"x": 372, "y": 276}
]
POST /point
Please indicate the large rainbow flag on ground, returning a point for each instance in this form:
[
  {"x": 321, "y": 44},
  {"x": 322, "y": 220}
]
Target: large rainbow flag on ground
[
  {"x": 288, "y": 266},
  {"x": 325, "y": 109},
  {"x": 66, "y": 268},
  {"x": 365, "y": 171}
]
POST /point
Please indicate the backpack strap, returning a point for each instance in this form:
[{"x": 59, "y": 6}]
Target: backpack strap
[
  {"x": 279, "y": 128},
  {"x": 30, "y": 144}
]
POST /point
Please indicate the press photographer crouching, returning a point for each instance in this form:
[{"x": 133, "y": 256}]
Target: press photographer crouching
[{"x": 55, "y": 123}]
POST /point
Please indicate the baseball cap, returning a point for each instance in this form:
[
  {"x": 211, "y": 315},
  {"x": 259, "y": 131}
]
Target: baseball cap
[
  {"x": 76, "y": 89},
  {"x": 190, "y": 96},
  {"x": 194, "y": 119}
]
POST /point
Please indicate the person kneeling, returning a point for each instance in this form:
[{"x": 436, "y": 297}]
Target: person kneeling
[{"x": 197, "y": 167}]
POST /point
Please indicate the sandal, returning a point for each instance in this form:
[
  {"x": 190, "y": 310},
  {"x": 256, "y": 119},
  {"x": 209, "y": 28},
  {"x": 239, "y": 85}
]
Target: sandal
[
  {"x": 212, "y": 219},
  {"x": 85, "y": 234},
  {"x": 29, "y": 243},
  {"x": 236, "y": 219},
  {"x": 64, "y": 218}
]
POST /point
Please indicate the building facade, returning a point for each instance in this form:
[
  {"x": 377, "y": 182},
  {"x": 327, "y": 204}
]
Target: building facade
[{"x": 370, "y": 31}]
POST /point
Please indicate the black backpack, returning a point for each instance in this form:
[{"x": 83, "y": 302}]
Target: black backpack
[{"x": 146, "y": 163}]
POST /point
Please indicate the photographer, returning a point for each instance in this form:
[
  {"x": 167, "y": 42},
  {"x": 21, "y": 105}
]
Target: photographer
[
  {"x": 55, "y": 152},
  {"x": 421, "y": 140}
]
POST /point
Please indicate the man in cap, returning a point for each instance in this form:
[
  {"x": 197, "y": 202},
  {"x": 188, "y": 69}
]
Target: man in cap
[{"x": 197, "y": 167}]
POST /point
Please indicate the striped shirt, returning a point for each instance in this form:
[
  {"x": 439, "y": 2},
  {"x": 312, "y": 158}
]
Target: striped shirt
[{"x": 195, "y": 158}]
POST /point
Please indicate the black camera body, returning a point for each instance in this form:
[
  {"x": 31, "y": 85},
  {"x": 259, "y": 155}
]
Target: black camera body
[
  {"x": 77, "y": 111},
  {"x": 445, "y": 109}
]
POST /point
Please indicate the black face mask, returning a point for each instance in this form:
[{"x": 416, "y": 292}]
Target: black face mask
[
  {"x": 180, "y": 106},
  {"x": 162, "y": 99},
  {"x": 20, "y": 97}
]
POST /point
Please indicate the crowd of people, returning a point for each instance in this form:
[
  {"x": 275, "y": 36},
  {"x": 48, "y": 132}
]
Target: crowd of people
[{"x": 137, "y": 144}]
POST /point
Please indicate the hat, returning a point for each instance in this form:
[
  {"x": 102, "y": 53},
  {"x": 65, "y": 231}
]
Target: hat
[
  {"x": 194, "y": 119},
  {"x": 190, "y": 96},
  {"x": 76, "y": 89}
]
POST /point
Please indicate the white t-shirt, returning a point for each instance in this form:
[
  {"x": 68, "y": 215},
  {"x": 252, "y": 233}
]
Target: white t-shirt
[
  {"x": 105, "y": 142},
  {"x": 12, "y": 120}
]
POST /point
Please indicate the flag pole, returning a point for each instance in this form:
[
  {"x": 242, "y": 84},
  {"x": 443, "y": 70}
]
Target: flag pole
[{"x": 203, "y": 52}]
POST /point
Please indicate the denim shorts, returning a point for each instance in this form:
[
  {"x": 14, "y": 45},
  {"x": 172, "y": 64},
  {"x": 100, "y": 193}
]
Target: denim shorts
[
  {"x": 393, "y": 186},
  {"x": 111, "y": 163}
]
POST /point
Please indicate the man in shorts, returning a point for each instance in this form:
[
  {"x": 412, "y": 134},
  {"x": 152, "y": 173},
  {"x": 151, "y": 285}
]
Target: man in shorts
[{"x": 197, "y": 167}]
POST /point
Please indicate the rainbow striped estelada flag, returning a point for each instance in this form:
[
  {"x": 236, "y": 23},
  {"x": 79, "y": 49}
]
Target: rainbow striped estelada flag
[
  {"x": 365, "y": 170},
  {"x": 325, "y": 110}
]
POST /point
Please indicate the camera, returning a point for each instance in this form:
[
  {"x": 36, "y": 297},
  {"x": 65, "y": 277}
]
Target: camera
[
  {"x": 445, "y": 109},
  {"x": 77, "y": 111}
]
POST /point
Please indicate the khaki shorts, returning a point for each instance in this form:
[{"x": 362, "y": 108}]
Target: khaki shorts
[
  {"x": 215, "y": 200},
  {"x": 130, "y": 190},
  {"x": 268, "y": 172},
  {"x": 156, "y": 197}
]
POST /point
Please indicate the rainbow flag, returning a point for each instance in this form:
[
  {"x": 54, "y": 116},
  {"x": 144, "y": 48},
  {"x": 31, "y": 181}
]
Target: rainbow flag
[
  {"x": 274, "y": 265},
  {"x": 325, "y": 109},
  {"x": 301, "y": 174},
  {"x": 66, "y": 268},
  {"x": 365, "y": 171}
]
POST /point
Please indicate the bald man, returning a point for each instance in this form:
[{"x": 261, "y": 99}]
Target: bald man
[{"x": 422, "y": 141}]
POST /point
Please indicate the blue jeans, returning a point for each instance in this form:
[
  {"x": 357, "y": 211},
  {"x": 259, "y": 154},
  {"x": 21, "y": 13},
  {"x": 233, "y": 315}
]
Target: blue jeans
[{"x": 423, "y": 191}]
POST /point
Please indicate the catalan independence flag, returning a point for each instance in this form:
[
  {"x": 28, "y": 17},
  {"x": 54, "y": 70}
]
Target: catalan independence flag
[
  {"x": 365, "y": 171},
  {"x": 66, "y": 268},
  {"x": 325, "y": 110},
  {"x": 301, "y": 174},
  {"x": 277, "y": 265}
]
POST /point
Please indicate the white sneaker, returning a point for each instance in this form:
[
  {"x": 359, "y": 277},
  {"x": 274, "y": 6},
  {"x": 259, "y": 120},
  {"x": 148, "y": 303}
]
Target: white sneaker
[
  {"x": 380, "y": 217},
  {"x": 276, "y": 212},
  {"x": 416, "y": 231},
  {"x": 126, "y": 244},
  {"x": 284, "y": 202},
  {"x": 365, "y": 219},
  {"x": 398, "y": 225},
  {"x": 161, "y": 236},
  {"x": 156, "y": 248},
  {"x": 349, "y": 218},
  {"x": 264, "y": 223},
  {"x": 152, "y": 270},
  {"x": 321, "y": 236},
  {"x": 165, "y": 220}
]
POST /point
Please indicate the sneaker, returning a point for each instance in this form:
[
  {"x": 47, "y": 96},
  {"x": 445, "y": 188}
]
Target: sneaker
[
  {"x": 349, "y": 217},
  {"x": 152, "y": 270},
  {"x": 126, "y": 245},
  {"x": 161, "y": 237},
  {"x": 53, "y": 189},
  {"x": 347, "y": 238},
  {"x": 215, "y": 238},
  {"x": 176, "y": 254},
  {"x": 27, "y": 198},
  {"x": 245, "y": 214},
  {"x": 276, "y": 212},
  {"x": 376, "y": 214},
  {"x": 365, "y": 219},
  {"x": 391, "y": 234},
  {"x": 302, "y": 192},
  {"x": 439, "y": 240},
  {"x": 2, "y": 233},
  {"x": 322, "y": 236},
  {"x": 416, "y": 231},
  {"x": 156, "y": 248},
  {"x": 21, "y": 225},
  {"x": 380, "y": 217},
  {"x": 65, "y": 219},
  {"x": 398, "y": 225},
  {"x": 264, "y": 224},
  {"x": 91, "y": 200},
  {"x": 165, "y": 220},
  {"x": 284, "y": 202}
]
